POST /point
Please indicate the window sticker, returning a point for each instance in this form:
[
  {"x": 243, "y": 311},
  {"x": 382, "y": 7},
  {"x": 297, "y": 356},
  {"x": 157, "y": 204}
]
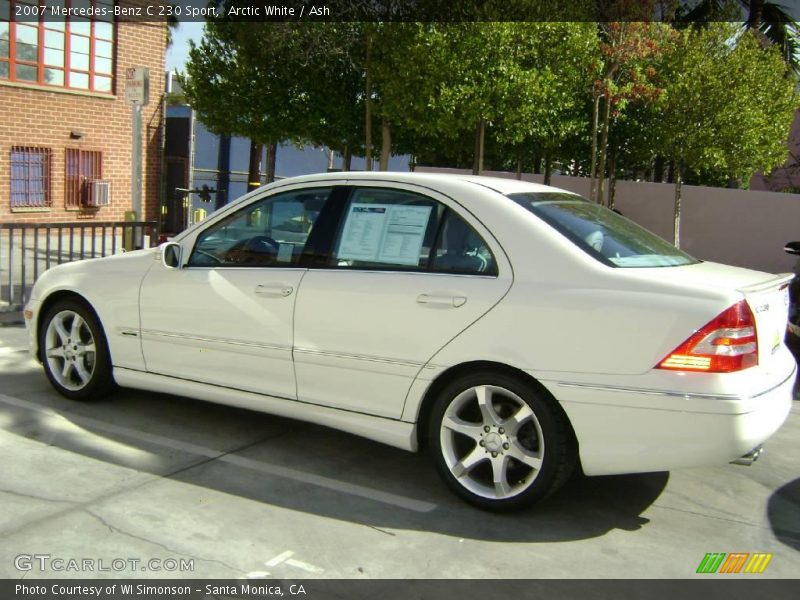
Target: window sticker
[{"x": 384, "y": 233}]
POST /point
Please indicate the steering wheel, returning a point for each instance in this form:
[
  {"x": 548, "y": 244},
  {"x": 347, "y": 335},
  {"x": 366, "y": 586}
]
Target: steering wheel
[{"x": 261, "y": 243}]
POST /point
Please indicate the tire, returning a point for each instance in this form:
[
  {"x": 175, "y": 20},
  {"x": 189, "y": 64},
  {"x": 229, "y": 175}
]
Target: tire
[
  {"x": 500, "y": 442},
  {"x": 74, "y": 351}
]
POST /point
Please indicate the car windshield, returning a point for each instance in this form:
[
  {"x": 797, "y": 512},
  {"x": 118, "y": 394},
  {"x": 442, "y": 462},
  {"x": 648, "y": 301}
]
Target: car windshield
[{"x": 604, "y": 234}]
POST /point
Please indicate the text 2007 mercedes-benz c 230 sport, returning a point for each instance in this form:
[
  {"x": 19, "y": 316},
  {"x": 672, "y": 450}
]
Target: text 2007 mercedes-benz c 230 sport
[{"x": 514, "y": 330}]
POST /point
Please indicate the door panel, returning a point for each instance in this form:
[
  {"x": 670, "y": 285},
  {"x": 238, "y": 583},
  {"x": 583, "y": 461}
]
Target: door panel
[
  {"x": 217, "y": 326},
  {"x": 361, "y": 337},
  {"x": 226, "y": 316},
  {"x": 406, "y": 273}
]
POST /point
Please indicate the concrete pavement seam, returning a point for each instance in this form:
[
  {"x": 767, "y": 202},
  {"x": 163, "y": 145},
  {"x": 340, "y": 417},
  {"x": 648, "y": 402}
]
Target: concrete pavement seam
[{"x": 119, "y": 530}]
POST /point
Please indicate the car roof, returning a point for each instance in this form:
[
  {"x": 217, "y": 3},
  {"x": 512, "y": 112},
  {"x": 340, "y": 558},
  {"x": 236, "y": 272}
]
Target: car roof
[{"x": 499, "y": 184}]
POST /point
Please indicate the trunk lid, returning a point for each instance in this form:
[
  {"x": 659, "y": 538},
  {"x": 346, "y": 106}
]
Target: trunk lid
[{"x": 766, "y": 293}]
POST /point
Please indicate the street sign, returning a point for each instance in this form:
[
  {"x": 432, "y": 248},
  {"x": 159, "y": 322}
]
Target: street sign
[{"x": 137, "y": 86}]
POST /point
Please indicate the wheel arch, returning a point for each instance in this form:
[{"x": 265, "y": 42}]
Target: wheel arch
[
  {"x": 459, "y": 370},
  {"x": 49, "y": 302}
]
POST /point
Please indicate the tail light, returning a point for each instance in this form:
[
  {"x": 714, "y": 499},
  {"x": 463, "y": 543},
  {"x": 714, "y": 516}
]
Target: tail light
[{"x": 727, "y": 343}]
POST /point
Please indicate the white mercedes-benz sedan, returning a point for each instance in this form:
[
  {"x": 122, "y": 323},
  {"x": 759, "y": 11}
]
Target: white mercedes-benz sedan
[{"x": 516, "y": 331}]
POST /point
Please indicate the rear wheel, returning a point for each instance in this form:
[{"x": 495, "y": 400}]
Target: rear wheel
[
  {"x": 500, "y": 442},
  {"x": 74, "y": 351}
]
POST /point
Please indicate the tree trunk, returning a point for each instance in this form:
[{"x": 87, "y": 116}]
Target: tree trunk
[
  {"x": 677, "y": 209},
  {"x": 519, "y": 166},
  {"x": 368, "y": 105},
  {"x": 347, "y": 158},
  {"x": 254, "y": 168},
  {"x": 548, "y": 167},
  {"x": 755, "y": 15},
  {"x": 386, "y": 144},
  {"x": 593, "y": 170},
  {"x": 603, "y": 151},
  {"x": 612, "y": 179},
  {"x": 480, "y": 132},
  {"x": 658, "y": 169},
  {"x": 537, "y": 164},
  {"x": 272, "y": 152}
]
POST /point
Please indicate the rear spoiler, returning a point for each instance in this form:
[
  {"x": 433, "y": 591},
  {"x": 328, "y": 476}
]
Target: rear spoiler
[{"x": 778, "y": 281}]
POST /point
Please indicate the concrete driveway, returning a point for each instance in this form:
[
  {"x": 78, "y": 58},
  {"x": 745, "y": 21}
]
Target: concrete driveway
[{"x": 149, "y": 485}]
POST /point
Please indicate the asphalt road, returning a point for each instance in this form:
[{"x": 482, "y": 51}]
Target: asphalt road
[{"x": 142, "y": 477}]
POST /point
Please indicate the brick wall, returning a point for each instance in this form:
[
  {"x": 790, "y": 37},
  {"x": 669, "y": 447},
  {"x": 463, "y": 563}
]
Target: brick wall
[{"x": 32, "y": 116}]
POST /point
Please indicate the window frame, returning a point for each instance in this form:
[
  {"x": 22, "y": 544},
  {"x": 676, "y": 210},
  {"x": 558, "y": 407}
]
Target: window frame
[{"x": 67, "y": 29}]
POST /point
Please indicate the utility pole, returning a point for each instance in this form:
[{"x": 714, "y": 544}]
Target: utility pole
[{"x": 137, "y": 95}]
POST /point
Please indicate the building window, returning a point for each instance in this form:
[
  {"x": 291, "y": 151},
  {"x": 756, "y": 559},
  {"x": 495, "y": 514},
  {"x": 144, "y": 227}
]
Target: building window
[
  {"x": 69, "y": 52},
  {"x": 80, "y": 167},
  {"x": 30, "y": 177}
]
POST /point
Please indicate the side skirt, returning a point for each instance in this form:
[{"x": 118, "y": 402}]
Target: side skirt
[{"x": 386, "y": 431}]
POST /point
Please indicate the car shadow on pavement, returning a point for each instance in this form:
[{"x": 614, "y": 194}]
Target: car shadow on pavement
[
  {"x": 313, "y": 469},
  {"x": 783, "y": 512}
]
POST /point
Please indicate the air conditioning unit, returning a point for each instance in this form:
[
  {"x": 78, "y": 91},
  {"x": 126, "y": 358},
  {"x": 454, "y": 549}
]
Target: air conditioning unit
[{"x": 96, "y": 193}]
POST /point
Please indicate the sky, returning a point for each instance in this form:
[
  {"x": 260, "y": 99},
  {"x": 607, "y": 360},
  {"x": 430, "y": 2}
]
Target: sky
[{"x": 178, "y": 52}]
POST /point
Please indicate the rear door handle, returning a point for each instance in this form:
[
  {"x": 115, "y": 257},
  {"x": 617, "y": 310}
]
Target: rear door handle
[
  {"x": 441, "y": 301},
  {"x": 274, "y": 290}
]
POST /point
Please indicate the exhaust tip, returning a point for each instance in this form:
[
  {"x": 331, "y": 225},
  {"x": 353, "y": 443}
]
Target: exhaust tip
[{"x": 749, "y": 458}]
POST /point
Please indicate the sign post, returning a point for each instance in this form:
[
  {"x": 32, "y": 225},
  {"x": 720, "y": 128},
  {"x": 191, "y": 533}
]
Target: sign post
[{"x": 137, "y": 94}]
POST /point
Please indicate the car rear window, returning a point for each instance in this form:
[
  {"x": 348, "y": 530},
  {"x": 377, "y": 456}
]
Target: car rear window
[{"x": 602, "y": 233}]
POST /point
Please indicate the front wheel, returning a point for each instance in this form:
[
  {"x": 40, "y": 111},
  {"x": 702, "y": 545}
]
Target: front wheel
[
  {"x": 500, "y": 442},
  {"x": 74, "y": 351}
]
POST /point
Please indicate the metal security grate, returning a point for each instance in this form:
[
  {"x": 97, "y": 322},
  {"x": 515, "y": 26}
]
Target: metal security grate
[
  {"x": 80, "y": 166},
  {"x": 30, "y": 177}
]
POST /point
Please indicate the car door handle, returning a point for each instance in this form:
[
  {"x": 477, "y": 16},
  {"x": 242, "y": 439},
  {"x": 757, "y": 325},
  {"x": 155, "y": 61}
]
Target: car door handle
[
  {"x": 441, "y": 301},
  {"x": 277, "y": 290}
]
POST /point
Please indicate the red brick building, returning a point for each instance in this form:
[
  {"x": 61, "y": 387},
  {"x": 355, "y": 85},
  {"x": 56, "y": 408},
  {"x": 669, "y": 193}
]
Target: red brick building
[{"x": 65, "y": 128}]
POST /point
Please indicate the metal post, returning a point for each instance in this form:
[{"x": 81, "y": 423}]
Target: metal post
[
  {"x": 35, "y": 254},
  {"x": 22, "y": 250},
  {"x": 11, "y": 267},
  {"x": 47, "y": 250},
  {"x": 136, "y": 163}
]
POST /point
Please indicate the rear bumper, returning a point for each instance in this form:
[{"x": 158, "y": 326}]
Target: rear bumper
[{"x": 635, "y": 431}]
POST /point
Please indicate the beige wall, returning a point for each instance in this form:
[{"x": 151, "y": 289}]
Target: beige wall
[{"x": 737, "y": 227}]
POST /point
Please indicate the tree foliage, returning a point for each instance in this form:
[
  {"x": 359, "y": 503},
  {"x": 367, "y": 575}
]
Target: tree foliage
[
  {"x": 715, "y": 100},
  {"x": 728, "y": 106}
]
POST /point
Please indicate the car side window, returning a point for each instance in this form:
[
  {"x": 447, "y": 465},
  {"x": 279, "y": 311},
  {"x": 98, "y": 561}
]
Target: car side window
[
  {"x": 268, "y": 233},
  {"x": 386, "y": 229},
  {"x": 460, "y": 249},
  {"x": 398, "y": 230}
]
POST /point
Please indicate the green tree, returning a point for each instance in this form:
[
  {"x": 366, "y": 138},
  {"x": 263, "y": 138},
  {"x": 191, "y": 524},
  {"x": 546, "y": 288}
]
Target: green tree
[
  {"x": 553, "y": 62},
  {"x": 773, "y": 23},
  {"x": 238, "y": 89},
  {"x": 452, "y": 78},
  {"x": 625, "y": 74},
  {"x": 728, "y": 106}
]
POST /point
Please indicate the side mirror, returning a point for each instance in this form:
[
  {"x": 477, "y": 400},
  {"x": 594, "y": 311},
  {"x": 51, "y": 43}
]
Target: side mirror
[
  {"x": 171, "y": 255},
  {"x": 792, "y": 248}
]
